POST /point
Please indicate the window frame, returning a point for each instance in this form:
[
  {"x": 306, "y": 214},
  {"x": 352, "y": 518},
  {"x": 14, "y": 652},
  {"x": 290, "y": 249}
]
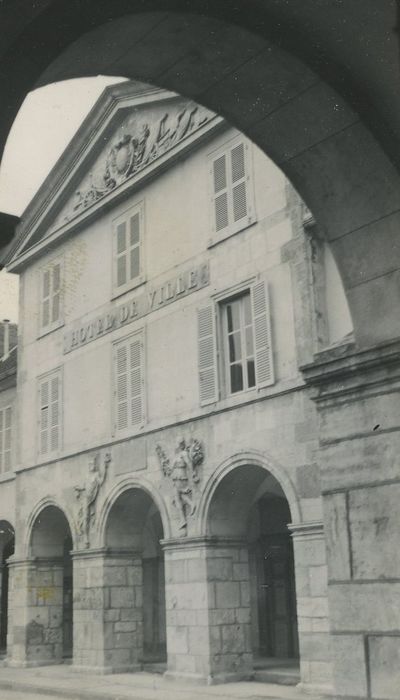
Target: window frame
[
  {"x": 3, "y": 409},
  {"x": 48, "y": 268},
  {"x": 218, "y": 300},
  {"x": 48, "y": 376},
  {"x": 131, "y": 429},
  {"x": 125, "y": 217},
  {"x": 225, "y": 354},
  {"x": 233, "y": 226}
]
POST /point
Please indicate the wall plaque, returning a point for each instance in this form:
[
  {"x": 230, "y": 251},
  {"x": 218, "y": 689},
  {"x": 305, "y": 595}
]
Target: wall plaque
[{"x": 154, "y": 297}]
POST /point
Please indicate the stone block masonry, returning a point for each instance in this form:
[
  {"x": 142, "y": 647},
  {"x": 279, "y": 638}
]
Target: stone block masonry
[
  {"x": 35, "y": 612},
  {"x": 108, "y": 610},
  {"x": 208, "y": 610}
]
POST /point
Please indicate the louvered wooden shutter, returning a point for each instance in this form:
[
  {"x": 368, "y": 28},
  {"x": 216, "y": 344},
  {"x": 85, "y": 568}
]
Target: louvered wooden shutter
[
  {"x": 56, "y": 291},
  {"x": 262, "y": 335},
  {"x": 136, "y": 381},
  {"x": 238, "y": 173},
  {"x": 129, "y": 383},
  {"x": 207, "y": 360},
  {"x": 46, "y": 292},
  {"x": 44, "y": 416},
  {"x": 55, "y": 412},
  {"x": 120, "y": 246},
  {"x": 220, "y": 194},
  {"x": 134, "y": 243},
  {"x": 121, "y": 386}
]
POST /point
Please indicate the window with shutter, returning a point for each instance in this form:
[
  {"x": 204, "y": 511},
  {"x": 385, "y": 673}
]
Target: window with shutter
[
  {"x": 232, "y": 191},
  {"x": 247, "y": 350},
  {"x": 50, "y": 397},
  {"x": 129, "y": 383},
  {"x": 128, "y": 250},
  {"x": 51, "y": 297},
  {"x": 5, "y": 438}
]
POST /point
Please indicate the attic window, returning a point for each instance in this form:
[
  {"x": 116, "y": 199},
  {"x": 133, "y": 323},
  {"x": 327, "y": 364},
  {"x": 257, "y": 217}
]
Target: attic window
[
  {"x": 128, "y": 250},
  {"x": 51, "y": 296}
]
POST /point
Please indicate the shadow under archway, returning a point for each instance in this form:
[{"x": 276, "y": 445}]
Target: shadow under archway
[
  {"x": 133, "y": 532},
  {"x": 49, "y": 636},
  {"x": 249, "y": 504}
]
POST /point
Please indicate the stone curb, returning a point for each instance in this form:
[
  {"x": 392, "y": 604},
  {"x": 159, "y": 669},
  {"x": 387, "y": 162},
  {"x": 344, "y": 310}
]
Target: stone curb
[{"x": 84, "y": 694}]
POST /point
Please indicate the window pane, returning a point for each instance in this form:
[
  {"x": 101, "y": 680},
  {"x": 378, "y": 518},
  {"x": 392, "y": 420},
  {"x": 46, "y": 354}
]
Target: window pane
[
  {"x": 219, "y": 174},
  {"x": 121, "y": 237},
  {"x": 135, "y": 262},
  {"x": 46, "y": 283},
  {"x": 135, "y": 229},
  {"x": 236, "y": 378},
  {"x": 249, "y": 342},
  {"x": 235, "y": 350},
  {"x": 239, "y": 202},
  {"x": 237, "y": 155},
  {"x": 247, "y": 310},
  {"x": 43, "y": 442},
  {"x": 121, "y": 270},
  {"x": 221, "y": 212},
  {"x": 46, "y": 313},
  {"x": 56, "y": 308},
  {"x": 251, "y": 373},
  {"x": 56, "y": 278},
  {"x": 233, "y": 313},
  {"x": 44, "y": 418}
]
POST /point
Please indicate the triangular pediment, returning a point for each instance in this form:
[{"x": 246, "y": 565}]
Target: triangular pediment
[{"x": 127, "y": 138}]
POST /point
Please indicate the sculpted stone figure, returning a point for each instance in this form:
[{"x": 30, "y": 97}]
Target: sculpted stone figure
[
  {"x": 87, "y": 495},
  {"x": 183, "y": 473}
]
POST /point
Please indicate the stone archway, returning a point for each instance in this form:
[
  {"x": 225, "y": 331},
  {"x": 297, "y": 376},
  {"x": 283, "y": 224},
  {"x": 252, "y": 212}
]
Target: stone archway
[
  {"x": 307, "y": 116},
  {"x": 42, "y": 591},
  {"x": 254, "y": 579},
  {"x": 133, "y": 532},
  {"x": 241, "y": 578},
  {"x": 119, "y": 600}
]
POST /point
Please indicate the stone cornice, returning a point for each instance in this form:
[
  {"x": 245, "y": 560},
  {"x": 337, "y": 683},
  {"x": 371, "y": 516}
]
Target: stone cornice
[
  {"x": 306, "y": 531},
  {"x": 207, "y": 541},
  {"x": 344, "y": 370},
  {"x": 105, "y": 553}
]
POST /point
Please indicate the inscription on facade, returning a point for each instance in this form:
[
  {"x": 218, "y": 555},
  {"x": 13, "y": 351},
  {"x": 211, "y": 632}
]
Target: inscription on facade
[{"x": 153, "y": 298}]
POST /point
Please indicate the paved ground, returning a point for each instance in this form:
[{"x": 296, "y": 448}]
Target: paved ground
[{"x": 54, "y": 682}]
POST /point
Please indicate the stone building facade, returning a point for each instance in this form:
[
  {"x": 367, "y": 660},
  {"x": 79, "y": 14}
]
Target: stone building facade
[{"x": 165, "y": 490}]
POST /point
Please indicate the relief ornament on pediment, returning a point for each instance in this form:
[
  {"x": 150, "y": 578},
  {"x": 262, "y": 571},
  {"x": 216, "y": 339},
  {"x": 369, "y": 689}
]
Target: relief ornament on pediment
[
  {"x": 134, "y": 150},
  {"x": 183, "y": 474},
  {"x": 87, "y": 495}
]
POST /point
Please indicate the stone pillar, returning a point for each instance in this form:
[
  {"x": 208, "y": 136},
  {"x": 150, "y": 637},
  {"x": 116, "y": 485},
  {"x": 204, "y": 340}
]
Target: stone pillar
[
  {"x": 357, "y": 394},
  {"x": 35, "y": 612},
  {"x": 108, "y": 610},
  {"x": 312, "y": 606},
  {"x": 208, "y": 610}
]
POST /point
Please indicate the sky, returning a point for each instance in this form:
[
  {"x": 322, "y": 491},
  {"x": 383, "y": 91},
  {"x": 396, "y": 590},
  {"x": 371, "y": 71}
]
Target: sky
[{"x": 45, "y": 124}]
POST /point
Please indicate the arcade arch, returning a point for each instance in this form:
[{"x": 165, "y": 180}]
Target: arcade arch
[
  {"x": 304, "y": 112},
  {"x": 132, "y": 536},
  {"x": 49, "y": 548},
  {"x": 249, "y": 504}
]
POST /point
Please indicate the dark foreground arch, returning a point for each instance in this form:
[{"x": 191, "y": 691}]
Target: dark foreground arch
[{"x": 295, "y": 80}]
